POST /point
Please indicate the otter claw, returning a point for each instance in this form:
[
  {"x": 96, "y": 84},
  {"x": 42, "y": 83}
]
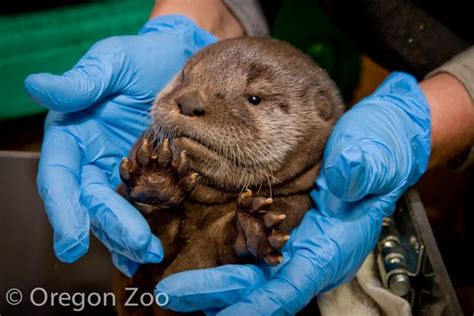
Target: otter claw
[
  {"x": 164, "y": 154},
  {"x": 277, "y": 239},
  {"x": 273, "y": 259},
  {"x": 156, "y": 179},
  {"x": 182, "y": 164},
  {"x": 244, "y": 200},
  {"x": 126, "y": 169},
  {"x": 255, "y": 236},
  {"x": 261, "y": 203},
  {"x": 189, "y": 182},
  {"x": 144, "y": 153},
  {"x": 273, "y": 218}
]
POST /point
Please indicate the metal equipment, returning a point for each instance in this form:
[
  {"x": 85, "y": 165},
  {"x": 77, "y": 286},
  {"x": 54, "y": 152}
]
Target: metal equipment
[{"x": 410, "y": 263}]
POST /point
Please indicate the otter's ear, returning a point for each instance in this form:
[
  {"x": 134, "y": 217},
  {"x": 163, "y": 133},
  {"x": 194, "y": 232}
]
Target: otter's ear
[
  {"x": 328, "y": 102},
  {"x": 324, "y": 106}
]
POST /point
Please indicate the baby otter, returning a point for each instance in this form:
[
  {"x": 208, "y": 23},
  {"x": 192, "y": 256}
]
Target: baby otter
[{"x": 223, "y": 173}]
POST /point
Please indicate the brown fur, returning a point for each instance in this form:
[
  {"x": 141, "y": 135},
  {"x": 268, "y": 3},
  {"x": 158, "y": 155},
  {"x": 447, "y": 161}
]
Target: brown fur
[{"x": 273, "y": 148}]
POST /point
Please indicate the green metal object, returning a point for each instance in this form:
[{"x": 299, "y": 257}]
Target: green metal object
[
  {"x": 305, "y": 24},
  {"x": 53, "y": 41}
]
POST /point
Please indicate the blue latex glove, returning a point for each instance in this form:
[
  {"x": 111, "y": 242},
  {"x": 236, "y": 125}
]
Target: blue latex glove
[
  {"x": 376, "y": 151},
  {"x": 97, "y": 111}
]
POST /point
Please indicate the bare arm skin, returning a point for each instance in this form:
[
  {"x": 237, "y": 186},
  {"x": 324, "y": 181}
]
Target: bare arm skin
[
  {"x": 211, "y": 15},
  {"x": 452, "y": 117}
]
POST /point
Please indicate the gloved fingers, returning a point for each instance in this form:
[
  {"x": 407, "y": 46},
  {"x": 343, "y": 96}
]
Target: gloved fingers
[
  {"x": 327, "y": 250},
  {"x": 406, "y": 96},
  {"x": 212, "y": 311},
  {"x": 286, "y": 293},
  {"x": 210, "y": 289},
  {"x": 152, "y": 253},
  {"x": 98, "y": 74},
  {"x": 313, "y": 260},
  {"x": 356, "y": 169},
  {"x": 58, "y": 184},
  {"x": 103, "y": 140},
  {"x": 382, "y": 144},
  {"x": 125, "y": 265},
  {"x": 400, "y": 84},
  {"x": 115, "y": 221}
]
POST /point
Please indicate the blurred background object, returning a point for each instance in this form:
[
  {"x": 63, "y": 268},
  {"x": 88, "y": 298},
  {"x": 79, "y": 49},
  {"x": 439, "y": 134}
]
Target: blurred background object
[
  {"x": 313, "y": 33},
  {"x": 52, "y": 37}
]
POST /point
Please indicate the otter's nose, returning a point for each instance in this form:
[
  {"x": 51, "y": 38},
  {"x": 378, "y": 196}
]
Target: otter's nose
[{"x": 190, "y": 104}]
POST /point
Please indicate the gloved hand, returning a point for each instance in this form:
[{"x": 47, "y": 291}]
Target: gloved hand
[
  {"x": 376, "y": 151},
  {"x": 97, "y": 111}
]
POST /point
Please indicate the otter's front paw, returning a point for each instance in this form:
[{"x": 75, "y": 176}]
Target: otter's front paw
[
  {"x": 257, "y": 229},
  {"x": 155, "y": 178}
]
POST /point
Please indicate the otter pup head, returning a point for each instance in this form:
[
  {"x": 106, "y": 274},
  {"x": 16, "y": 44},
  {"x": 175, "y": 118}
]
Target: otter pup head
[{"x": 248, "y": 111}]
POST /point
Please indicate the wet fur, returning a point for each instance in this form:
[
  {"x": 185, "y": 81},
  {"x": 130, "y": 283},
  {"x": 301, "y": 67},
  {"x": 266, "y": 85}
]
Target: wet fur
[{"x": 273, "y": 148}]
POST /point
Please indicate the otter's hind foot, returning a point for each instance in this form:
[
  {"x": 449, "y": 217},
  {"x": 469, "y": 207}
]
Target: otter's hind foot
[
  {"x": 156, "y": 181},
  {"x": 257, "y": 229}
]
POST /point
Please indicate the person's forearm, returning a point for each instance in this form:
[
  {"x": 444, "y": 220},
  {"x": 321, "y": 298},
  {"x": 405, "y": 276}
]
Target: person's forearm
[
  {"x": 452, "y": 117},
  {"x": 211, "y": 15}
]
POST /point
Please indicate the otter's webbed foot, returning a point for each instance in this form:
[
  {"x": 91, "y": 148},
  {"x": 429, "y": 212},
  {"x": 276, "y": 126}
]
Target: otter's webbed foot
[
  {"x": 257, "y": 229},
  {"x": 155, "y": 180}
]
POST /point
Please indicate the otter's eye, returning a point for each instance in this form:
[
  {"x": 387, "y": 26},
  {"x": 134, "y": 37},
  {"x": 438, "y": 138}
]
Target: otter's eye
[{"x": 254, "y": 99}]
